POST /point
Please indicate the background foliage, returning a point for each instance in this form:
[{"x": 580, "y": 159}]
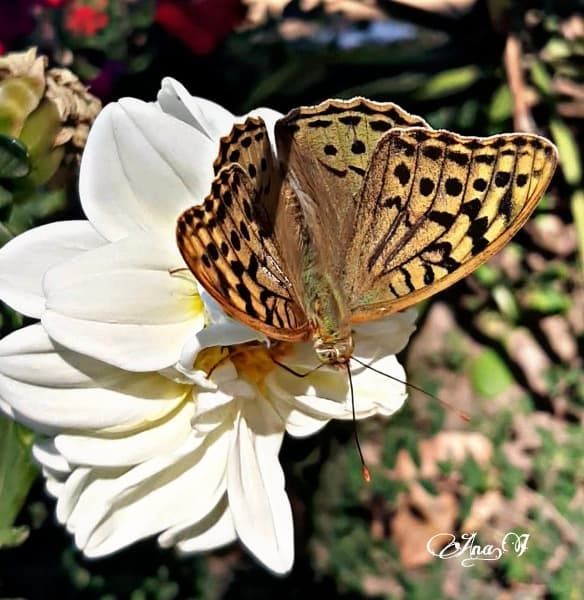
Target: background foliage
[{"x": 505, "y": 345}]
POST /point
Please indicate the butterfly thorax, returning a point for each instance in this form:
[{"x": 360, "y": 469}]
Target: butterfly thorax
[{"x": 327, "y": 311}]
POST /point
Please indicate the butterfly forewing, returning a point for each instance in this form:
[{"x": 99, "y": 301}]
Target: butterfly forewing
[
  {"x": 228, "y": 244},
  {"x": 325, "y": 151},
  {"x": 434, "y": 206}
]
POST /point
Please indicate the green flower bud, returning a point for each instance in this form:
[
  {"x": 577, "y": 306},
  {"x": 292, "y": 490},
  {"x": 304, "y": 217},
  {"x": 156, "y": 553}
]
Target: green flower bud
[{"x": 48, "y": 111}]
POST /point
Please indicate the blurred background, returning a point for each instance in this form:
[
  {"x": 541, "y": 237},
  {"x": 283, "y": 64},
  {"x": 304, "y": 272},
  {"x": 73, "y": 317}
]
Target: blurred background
[{"x": 505, "y": 345}]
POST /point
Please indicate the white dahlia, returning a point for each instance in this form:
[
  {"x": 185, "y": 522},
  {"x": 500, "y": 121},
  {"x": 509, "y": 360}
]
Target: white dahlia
[{"x": 156, "y": 413}]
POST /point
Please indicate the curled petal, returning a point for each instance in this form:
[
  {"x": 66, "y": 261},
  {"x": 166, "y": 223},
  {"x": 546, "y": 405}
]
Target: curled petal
[
  {"x": 214, "y": 531},
  {"x": 384, "y": 336},
  {"x": 211, "y": 119},
  {"x": 122, "y": 304},
  {"x": 51, "y": 388},
  {"x": 255, "y": 486},
  {"x": 103, "y": 449},
  {"x": 25, "y": 259},
  {"x": 119, "y": 195},
  {"x": 112, "y": 509},
  {"x": 220, "y": 331}
]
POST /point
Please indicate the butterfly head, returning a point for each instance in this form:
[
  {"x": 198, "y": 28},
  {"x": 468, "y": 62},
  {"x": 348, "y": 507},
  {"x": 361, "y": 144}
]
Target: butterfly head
[{"x": 334, "y": 352}]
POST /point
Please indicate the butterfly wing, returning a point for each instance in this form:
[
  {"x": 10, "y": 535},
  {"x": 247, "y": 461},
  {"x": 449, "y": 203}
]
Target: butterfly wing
[
  {"x": 325, "y": 152},
  {"x": 248, "y": 145},
  {"x": 433, "y": 207},
  {"x": 228, "y": 243}
]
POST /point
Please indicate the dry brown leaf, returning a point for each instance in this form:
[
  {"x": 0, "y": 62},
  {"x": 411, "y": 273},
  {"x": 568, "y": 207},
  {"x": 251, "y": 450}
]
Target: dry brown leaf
[
  {"x": 419, "y": 516},
  {"x": 559, "y": 336},
  {"x": 482, "y": 510},
  {"x": 551, "y": 233},
  {"x": 576, "y": 311},
  {"x": 524, "y": 349},
  {"x": 446, "y": 446},
  {"x": 455, "y": 447},
  {"x": 385, "y": 587}
]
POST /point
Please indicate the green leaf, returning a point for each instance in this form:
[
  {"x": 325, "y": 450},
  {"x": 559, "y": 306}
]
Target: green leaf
[
  {"x": 487, "y": 275},
  {"x": 5, "y": 197},
  {"x": 577, "y": 204},
  {"x": 570, "y": 159},
  {"x": 501, "y": 107},
  {"x": 546, "y": 300},
  {"x": 32, "y": 207},
  {"x": 13, "y": 536},
  {"x": 17, "y": 473},
  {"x": 489, "y": 374},
  {"x": 448, "y": 82},
  {"x": 14, "y": 159},
  {"x": 506, "y": 302},
  {"x": 541, "y": 78}
]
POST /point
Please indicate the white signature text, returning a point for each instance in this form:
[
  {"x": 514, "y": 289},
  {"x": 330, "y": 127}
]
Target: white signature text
[{"x": 446, "y": 546}]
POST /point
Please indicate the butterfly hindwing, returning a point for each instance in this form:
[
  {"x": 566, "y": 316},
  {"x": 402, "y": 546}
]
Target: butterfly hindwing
[
  {"x": 227, "y": 242},
  {"x": 433, "y": 207},
  {"x": 248, "y": 145}
]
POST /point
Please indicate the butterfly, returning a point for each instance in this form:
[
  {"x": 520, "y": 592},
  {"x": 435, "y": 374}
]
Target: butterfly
[{"x": 365, "y": 211}]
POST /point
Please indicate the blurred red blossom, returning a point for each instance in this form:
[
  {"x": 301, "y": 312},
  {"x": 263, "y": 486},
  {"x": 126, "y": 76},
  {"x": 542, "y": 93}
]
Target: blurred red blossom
[
  {"x": 200, "y": 24},
  {"x": 85, "y": 20}
]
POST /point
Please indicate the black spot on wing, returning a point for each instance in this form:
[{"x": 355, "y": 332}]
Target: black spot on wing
[
  {"x": 402, "y": 172},
  {"x": 426, "y": 186},
  {"x": 351, "y": 120},
  {"x": 445, "y": 219},
  {"x": 320, "y": 124}
]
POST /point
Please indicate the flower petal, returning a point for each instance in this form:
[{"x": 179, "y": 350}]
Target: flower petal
[
  {"x": 141, "y": 169},
  {"x": 211, "y": 119},
  {"x": 147, "y": 499},
  {"x": 384, "y": 336},
  {"x": 51, "y": 388},
  {"x": 121, "y": 304},
  {"x": 255, "y": 486},
  {"x": 48, "y": 456},
  {"x": 25, "y": 259},
  {"x": 226, "y": 333},
  {"x": 376, "y": 393},
  {"x": 214, "y": 531},
  {"x": 325, "y": 394},
  {"x": 112, "y": 450}
]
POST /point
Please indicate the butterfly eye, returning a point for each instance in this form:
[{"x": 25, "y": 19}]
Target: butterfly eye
[
  {"x": 326, "y": 354},
  {"x": 334, "y": 353}
]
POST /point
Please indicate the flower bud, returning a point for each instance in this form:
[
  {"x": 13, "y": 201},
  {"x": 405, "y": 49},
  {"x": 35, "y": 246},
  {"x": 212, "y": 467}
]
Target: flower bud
[{"x": 48, "y": 110}]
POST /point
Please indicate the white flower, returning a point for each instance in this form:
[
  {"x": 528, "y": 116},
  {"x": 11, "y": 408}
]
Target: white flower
[{"x": 160, "y": 415}]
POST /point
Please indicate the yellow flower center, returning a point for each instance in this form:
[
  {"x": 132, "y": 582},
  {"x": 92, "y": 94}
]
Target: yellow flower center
[{"x": 253, "y": 360}]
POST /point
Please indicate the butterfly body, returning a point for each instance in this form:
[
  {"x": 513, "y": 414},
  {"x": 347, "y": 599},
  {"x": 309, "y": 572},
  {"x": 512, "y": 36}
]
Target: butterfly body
[{"x": 365, "y": 211}]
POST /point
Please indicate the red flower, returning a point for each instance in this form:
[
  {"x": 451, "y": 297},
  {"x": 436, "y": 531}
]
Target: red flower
[
  {"x": 84, "y": 20},
  {"x": 200, "y": 24}
]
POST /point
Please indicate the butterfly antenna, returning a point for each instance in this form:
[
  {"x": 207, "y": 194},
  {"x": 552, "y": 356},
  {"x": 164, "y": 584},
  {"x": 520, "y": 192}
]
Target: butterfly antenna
[
  {"x": 296, "y": 373},
  {"x": 459, "y": 413},
  {"x": 365, "y": 473}
]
